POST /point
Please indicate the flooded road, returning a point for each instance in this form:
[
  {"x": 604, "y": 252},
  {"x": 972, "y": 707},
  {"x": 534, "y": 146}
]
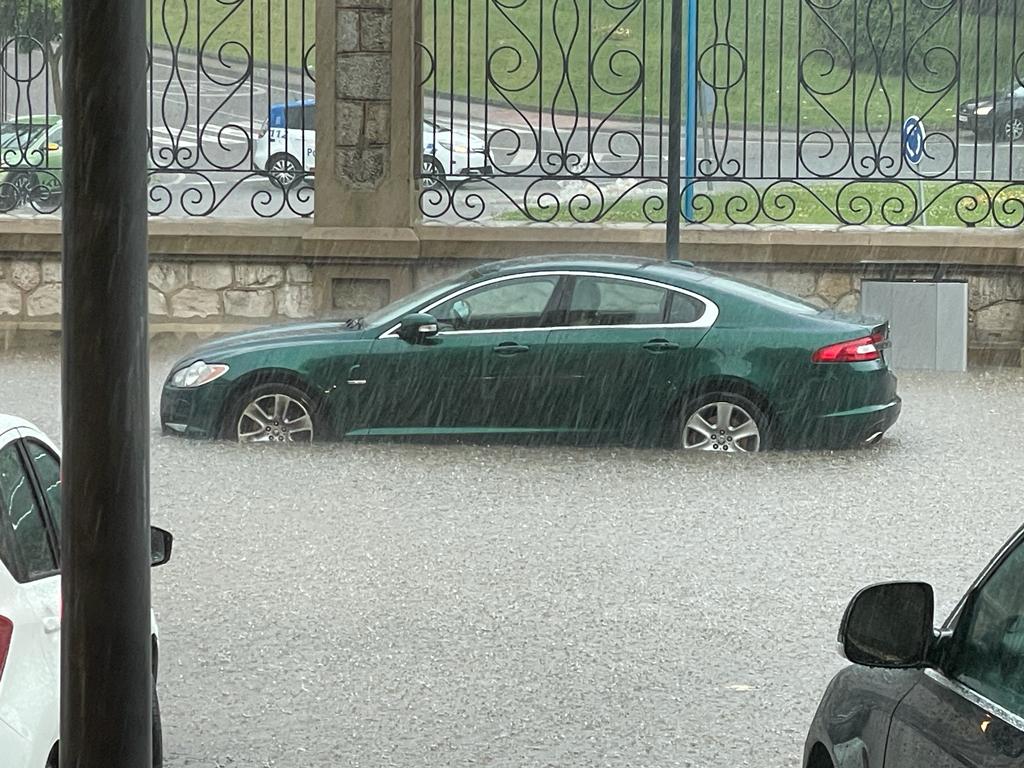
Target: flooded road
[{"x": 380, "y": 604}]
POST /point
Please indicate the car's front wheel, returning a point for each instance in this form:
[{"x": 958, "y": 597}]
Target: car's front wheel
[
  {"x": 723, "y": 422},
  {"x": 432, "y": 172},
  {"x": 1013, "y": 128},
  {"x": 273, "y": 413}
]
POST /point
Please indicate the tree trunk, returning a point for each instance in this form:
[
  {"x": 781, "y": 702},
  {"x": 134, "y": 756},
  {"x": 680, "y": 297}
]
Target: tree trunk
[{"x": 54, "y": 56}]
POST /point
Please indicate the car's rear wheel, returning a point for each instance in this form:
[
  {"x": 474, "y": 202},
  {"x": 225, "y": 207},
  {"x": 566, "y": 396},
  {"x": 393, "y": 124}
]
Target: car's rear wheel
[
  {"x": 284, "y": 170},
  {"x": 723, "y": 422},
  {"x": 273, "y": 413}
]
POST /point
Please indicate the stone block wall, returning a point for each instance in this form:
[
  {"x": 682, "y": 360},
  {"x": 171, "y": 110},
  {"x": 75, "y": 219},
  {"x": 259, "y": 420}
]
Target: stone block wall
[
  {"x": 179, "y": 291},
  {"x": 234, "y": 292},
  {"x": 362, "y": 122}
]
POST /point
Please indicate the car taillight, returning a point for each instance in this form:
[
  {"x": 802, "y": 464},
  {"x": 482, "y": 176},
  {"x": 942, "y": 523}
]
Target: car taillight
[
  {"x": 6, "y": 632},
  {"x": 853, "y": 351}
]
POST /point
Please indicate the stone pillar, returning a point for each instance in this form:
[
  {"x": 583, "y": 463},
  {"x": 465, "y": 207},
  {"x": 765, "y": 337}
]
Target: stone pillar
[{"x": 366, "y": 113}]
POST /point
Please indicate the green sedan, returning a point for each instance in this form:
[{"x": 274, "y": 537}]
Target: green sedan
[{"x": 576, "y": 348}]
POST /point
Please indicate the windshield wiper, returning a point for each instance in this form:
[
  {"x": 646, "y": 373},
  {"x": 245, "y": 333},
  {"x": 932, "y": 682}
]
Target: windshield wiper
[{"x": 354, "y": 324}]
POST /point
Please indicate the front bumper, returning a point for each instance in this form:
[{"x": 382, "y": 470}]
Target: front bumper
[
  {"x": 979, "y": 124},
  {"x": 195, "y": 413}
]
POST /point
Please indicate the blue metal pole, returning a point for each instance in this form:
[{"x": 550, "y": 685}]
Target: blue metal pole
[
  {"x": 691, "y": 107},
  {"x": 673, "y": 201}
]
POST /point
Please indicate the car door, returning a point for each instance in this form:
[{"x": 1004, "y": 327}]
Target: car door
[
  {"x": 480, "y": 374},
  {"x": 970, "y": 712},
  {"x": 30, "y": 599},
  {"x": 621, "y": 353}
]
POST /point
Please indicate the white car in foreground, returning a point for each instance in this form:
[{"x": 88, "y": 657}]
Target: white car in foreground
[
  {"x": 30, "y": 601},
  {"x": 285, "y": 149}
]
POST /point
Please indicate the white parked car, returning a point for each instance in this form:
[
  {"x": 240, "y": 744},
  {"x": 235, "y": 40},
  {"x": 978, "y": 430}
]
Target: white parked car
[
  {"x": 285, "y": 148},
  {"x": 30, "y": 601}
]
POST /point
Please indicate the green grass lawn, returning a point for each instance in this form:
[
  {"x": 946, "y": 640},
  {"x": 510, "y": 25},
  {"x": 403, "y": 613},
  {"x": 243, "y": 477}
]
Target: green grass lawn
[
  {"x": 868, "y": 203},
  {"x": 776, "y": 64},
  {"x": 280, "y": 32}
]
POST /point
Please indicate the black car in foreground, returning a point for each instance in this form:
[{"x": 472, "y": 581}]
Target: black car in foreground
[
  {"x": 996, "y": 117},
  {"x": 917, "y": 697}
]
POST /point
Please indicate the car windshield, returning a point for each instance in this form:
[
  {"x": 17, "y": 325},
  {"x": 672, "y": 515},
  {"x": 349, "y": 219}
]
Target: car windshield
[{"x": 409, "y": 303}]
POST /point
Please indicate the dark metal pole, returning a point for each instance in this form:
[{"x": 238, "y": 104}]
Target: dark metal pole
[
  {"x": 106, "y": 674},
  {"x": 675, "y": 133}
]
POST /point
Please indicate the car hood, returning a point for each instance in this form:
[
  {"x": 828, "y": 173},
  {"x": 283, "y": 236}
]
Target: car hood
[{"x": 292, "y": 333}]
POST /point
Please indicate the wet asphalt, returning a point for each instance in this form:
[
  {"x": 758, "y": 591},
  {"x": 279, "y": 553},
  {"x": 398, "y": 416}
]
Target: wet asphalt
[{"x": 465, "y": 605}]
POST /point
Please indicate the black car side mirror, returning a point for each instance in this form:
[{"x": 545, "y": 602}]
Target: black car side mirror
[
  {"x": 160, "y": 545},
  {"x": 889, "y": 625},
  {"x": 416, "y": 329}
]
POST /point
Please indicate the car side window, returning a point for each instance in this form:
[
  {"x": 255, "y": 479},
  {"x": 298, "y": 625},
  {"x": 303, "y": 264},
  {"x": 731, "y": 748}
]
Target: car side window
[
  {"x": 606, "y": 301},
  {"x": 507, "y": 305},
  {"x": 47, "y": 468},
  {"x": 988, "y": 643},
  {"x": 685, "y": 309},
  {"x": 30, "y": 556}
]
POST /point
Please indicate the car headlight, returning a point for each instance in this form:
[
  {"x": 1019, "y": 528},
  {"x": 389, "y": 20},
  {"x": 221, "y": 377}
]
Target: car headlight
[
  {"x": 197, "y": 374},
  {"x": 985, "y": 110}
]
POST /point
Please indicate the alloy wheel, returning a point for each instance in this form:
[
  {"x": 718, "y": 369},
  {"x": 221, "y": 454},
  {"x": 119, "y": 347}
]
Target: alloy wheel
[
  {"x": 275, "y": 418},
  {"x": 284, "y": 171},
  {"x": 431, "y": 172},
  {"x": 722, "y": 427},
  {"x": 1014, "y": 128}
]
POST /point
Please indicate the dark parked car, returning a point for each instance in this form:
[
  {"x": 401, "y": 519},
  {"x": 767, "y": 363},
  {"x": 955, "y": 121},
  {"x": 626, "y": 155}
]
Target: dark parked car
[
  {"x": 917, "y": 697},
  {"x": 579, "y": 348},
  {"x": 1001, "y": 118}
]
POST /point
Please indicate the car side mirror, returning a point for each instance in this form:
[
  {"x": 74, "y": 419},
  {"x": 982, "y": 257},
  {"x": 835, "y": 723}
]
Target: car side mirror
[
  {"x": 889, "y": 625},
  {"x": 160, "y": 545},
  {"x": 416, "y": 329}
]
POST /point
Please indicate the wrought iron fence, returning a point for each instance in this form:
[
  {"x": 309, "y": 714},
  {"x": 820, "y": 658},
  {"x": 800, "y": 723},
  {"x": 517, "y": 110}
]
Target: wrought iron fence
[
  {"x": 231, "y": 89},
  {"x": 821, "y": 111}
]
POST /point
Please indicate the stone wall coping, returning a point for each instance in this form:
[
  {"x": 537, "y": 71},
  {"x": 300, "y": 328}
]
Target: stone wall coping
[{"x": 300, "y": 240}]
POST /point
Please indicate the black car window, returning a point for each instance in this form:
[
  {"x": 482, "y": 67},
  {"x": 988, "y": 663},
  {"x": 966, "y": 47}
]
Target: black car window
[
  {"x": 685, "y": 309},
  {"x": 510, "y": 304},
  {"x": 309, "y": 118},
  {"x": 30, "y": 556},
  {"x": 606, "y": 301},
  {"x": 989, "y": 639},
  {"x": 47, "y": 468}
]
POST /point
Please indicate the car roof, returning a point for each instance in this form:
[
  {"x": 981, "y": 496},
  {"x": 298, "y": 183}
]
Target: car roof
[
  {"x": 288, "y": 105},
  {"x": 8, "y": 422},
  {"x": 672, "y": 272},
  {"x": 51, "y": 119}
]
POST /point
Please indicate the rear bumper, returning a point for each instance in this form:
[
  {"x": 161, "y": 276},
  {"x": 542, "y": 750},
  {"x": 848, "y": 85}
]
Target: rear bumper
[{"x": 860, "y": 426}]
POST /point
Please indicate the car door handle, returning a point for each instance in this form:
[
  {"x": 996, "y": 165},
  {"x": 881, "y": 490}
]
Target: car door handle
[
  {"x": 51, "y": 624},
  {"x": 509, "y": 348},
  {"x": 660, "y": 345}
]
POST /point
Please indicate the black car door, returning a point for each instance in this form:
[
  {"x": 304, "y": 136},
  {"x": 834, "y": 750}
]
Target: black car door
[{"x": 971, "y": 711}]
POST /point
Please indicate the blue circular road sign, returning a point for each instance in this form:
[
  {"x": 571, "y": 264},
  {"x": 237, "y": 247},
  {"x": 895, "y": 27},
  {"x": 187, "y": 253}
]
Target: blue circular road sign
[{"x": 913, "y": 139}]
